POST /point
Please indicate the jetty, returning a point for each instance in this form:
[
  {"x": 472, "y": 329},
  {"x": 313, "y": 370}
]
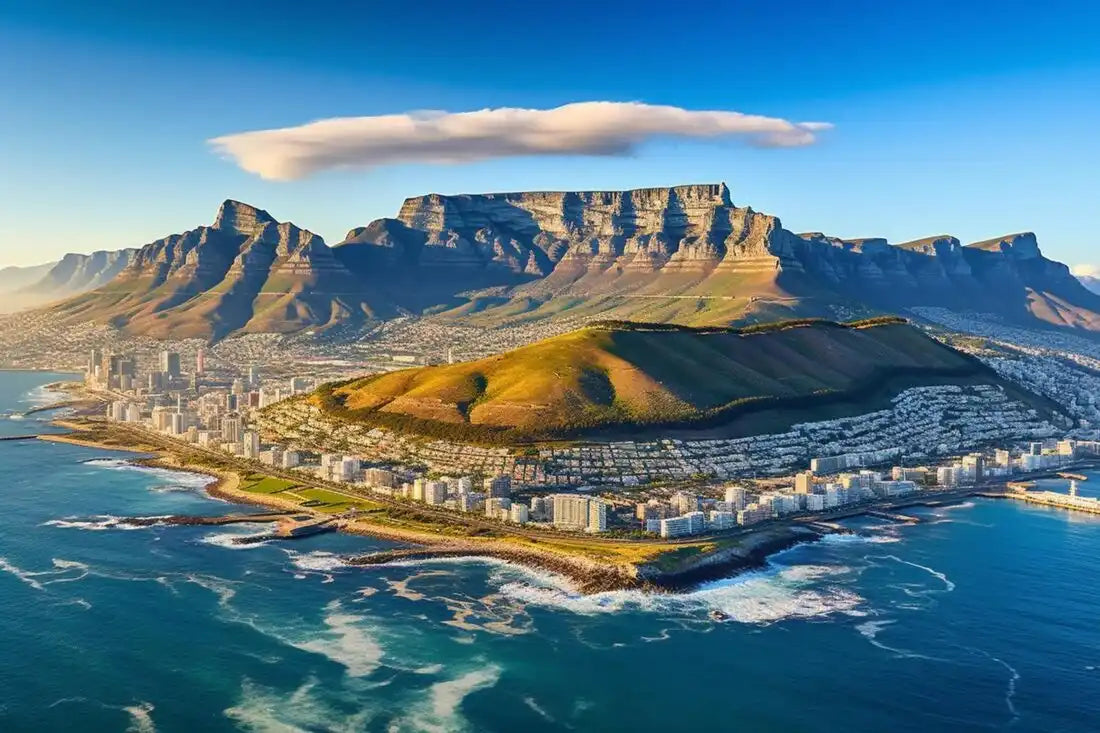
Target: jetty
[
  {"x": 893, "y": 517},
  {"x": 33, "y": 436},
  {"x": 824, "y": 528},
  {"x": 295, "y": 528},
  {"x": 216, "y": 521},
  {"x": 1086, "y": 504}
]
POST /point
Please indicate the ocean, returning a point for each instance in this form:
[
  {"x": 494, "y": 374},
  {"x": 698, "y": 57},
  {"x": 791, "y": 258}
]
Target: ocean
[{"x": 983, "y": 617}]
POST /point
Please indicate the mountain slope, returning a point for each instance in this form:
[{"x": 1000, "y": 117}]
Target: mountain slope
[
  {"x": 620, "y": 374},
  {"x": 685, "y": 254},
  {"x": 14, "y": 279},
  {"x": 1091, "y": 282},
  {"x": 79, "y": 273},
  {"x": 245, "y": 273}
]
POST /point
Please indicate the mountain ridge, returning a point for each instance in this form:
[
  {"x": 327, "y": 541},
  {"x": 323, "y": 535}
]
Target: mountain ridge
[
  {"x": 246, "y": 273},
  {"x": 683, "y": 254}
]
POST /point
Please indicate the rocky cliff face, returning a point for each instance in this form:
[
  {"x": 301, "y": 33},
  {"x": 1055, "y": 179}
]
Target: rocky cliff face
[
  {"x": 682, "y": 254},
  {"x": 683, "y": 228},
  {"x": 245, "y": 273},
  {"x": 688, "y": 241}
]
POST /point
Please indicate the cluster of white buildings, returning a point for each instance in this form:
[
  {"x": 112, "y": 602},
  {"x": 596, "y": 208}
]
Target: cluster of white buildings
[
  {"x": 922, "y": 422},
  {"x": 685, "y": 514}
]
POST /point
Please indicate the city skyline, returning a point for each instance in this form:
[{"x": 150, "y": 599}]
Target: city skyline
[{"x": 935, "y": 126}]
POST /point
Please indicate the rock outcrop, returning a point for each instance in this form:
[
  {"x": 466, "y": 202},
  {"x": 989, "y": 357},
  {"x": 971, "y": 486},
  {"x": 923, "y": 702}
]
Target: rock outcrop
[{"x": 245, "y": 273}]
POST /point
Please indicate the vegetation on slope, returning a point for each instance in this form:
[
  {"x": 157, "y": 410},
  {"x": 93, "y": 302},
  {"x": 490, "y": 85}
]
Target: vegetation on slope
[{"x": 624, "y": 374}]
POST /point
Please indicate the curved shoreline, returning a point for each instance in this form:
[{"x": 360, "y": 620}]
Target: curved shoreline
[{"x": 585, "y": 574}]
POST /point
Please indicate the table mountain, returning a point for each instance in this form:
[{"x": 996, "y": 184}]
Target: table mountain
[{"x": 686, "y": 254}]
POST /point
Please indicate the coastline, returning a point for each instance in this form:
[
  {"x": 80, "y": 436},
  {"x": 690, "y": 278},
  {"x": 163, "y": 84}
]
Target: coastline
[
  {"x": 588, "y": 576},
  {"x": 587, "y": 566},
  {"x": 585, "y": 574}
]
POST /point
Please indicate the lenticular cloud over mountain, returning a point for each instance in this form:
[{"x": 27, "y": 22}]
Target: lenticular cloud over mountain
[{"x": 583, "y": 128}]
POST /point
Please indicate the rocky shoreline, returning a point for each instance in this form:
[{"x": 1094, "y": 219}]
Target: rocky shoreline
[{"x": 586, "y": 575}]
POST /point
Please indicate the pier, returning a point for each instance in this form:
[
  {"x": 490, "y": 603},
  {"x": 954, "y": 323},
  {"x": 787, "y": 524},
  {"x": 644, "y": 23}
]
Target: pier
[
  {"x": 217, "y": 521},
  {"x": 824, "y": 528},
  {"x": 893, "y": 517},
  {"x": 1054, "y": 499},
  {"x": 294, "y": 528}
]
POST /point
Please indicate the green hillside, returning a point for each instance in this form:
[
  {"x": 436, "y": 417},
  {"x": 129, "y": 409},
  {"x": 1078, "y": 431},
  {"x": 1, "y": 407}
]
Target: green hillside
[{"x": 616, "y": 375}]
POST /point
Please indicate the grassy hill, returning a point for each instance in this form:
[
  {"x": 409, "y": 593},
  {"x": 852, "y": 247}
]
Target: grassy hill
[{"x": 614, "y": 376}]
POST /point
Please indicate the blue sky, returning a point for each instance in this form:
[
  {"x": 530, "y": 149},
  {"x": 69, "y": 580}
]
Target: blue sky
[{"x": 969, "y": 118}]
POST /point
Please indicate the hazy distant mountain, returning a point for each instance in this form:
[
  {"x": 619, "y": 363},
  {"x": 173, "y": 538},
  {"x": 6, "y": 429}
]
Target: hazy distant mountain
[
  {"x": 13, "y": 279},
  {"x": 1090, "y": 279},
  {"x": 684, "y": 254},
  {"x": 78, "y": 273},
  {"x": 71, "y": 275},
  {"x": 245, "y": 273}
]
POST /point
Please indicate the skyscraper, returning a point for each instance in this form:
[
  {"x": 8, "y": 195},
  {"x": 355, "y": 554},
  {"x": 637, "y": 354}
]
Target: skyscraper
[{"x": 170, "y": 364}]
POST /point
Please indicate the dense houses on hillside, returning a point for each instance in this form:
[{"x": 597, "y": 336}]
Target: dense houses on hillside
[{"x": 922, "y": 422}]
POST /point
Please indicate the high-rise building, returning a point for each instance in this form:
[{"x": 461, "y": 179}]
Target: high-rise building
[
  {"x": 231, "y": 429},
  {"x": 570, "y": 512},
  {"x": 170, "y": 364},
  {"x": 347, "y": 469},
  {"x": 200, "y": 362},
  {"x": 435, "y": 492},
  {"x": 95, "y": 361},
  {"x": 499, "y": 486},
  {"x": 973, "y": 465},
  {"x": 380, "y": 477},
  {"x": 253, "y": 376},
  {"x": 804, "y": 482},
  {"x": 542, "y": 509},
  {"x": 157, "y": 381},
  {"x": 250, "y": 444},
  {"x": 736, "y": 497},
  {"x": 597, "y": 516},
  {"x": 719, "y": 520},
  {"x": 579, "y": 513},
  {"x": 676, "y": 526},
  {"x": 682, "y": 502},
  {"x": 498, "y": 507}
]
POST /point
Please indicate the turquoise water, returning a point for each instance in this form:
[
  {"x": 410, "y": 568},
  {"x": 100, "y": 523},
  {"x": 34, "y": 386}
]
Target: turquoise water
[{"x": 983, "y": 617}]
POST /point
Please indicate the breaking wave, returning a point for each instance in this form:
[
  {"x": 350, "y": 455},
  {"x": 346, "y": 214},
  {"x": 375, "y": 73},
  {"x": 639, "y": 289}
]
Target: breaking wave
[
  {"x": 762, "y": 597},
  {"x": 173, "y": 480},
  {"x": 97, "y": 523}
]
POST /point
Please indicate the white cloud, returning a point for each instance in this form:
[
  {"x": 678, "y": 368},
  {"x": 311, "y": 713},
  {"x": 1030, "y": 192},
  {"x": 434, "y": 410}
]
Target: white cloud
[
  {"x": 1086, "y": 270},
  {"x": 583, "y": 128}
]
